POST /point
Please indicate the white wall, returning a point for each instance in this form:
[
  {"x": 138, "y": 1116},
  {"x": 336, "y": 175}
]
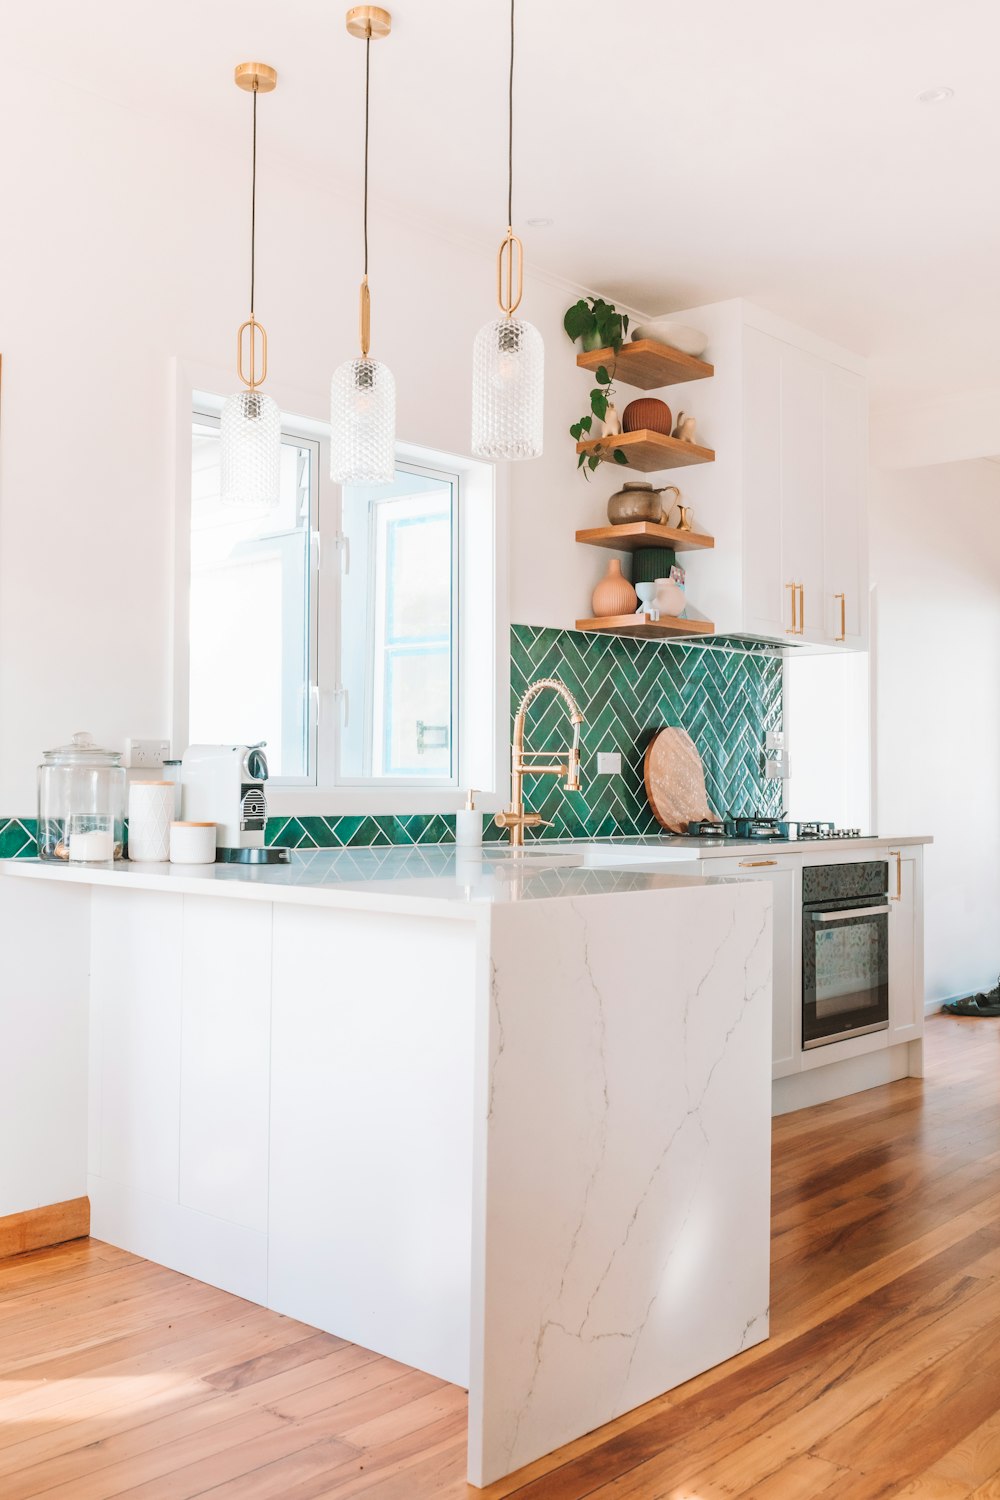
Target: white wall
[
  {"x": 125, "y": 245},
  {"x": 936, "y": 570}
]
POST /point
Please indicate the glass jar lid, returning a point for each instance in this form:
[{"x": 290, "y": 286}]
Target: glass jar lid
[{"x": 82, "y": 751}]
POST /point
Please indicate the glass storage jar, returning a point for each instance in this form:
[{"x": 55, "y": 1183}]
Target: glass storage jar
[{"x": 81, "y": 802}]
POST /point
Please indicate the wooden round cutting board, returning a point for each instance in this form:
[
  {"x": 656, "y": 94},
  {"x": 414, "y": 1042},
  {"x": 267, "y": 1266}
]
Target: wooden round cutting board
[{"x": 675, "y": 780}]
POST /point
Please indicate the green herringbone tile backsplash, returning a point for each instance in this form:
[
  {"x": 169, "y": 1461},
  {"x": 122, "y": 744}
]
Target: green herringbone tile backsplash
[{"x": 727, "y": 700}]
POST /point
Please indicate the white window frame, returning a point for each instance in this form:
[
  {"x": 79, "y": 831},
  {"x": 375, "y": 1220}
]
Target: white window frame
[
  {"x": 207, "y": 411},
  {"x": 481, "y": 663},
  {"x": 452, "y": 477}
]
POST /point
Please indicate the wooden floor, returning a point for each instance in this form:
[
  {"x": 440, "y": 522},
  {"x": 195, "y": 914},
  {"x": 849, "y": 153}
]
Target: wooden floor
[{"x": 882, "y": 1375}]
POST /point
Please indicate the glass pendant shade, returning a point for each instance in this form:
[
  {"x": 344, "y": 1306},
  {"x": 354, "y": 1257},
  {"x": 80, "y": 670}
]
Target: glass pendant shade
[
  {"x": 250, "y": 431},
  {"x": 362, "y": 423},
  {"x": 508, "y": 369}
]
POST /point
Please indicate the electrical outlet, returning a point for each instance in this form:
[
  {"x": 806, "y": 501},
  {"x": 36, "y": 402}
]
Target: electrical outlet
[
  {"x": 609, "y": 763},
  {"x": 146, "y": 755},
  {"x": 777, "y": 769}
]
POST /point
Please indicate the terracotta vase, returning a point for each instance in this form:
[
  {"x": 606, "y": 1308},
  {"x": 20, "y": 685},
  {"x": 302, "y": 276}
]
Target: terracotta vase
[
  {"x": 647, "y": 413},
  {"x": 614, "y": 595}
]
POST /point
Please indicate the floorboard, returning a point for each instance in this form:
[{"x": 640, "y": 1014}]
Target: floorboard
[{"x": 881, "y": 1377}]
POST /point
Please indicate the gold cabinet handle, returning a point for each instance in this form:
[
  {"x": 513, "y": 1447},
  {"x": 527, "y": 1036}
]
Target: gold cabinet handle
[
  {"x": 897, "y": 856},
  {"x": 756, "y": 864},
  {"x": 843, "y": 617},
  {"x": 792, "y": 629},
  {"x": 802, "y": 608}
]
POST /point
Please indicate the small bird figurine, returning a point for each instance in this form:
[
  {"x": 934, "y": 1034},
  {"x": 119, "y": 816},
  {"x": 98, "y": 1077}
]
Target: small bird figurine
[{"x": 684, "y": 428}]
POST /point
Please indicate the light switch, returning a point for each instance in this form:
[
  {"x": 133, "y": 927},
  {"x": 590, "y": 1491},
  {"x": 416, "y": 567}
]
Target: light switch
[
  {"x": 775, "y": 740},
  {"x": 609, "y": 763}
]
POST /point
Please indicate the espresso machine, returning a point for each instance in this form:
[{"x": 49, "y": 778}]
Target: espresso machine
[{"x": 224, "y": 785}]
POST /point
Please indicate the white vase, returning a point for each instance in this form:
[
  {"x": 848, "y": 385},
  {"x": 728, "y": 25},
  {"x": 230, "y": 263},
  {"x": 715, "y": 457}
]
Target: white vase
[
  {"x": 647, "y": 600},
  {"x": 670, "y": 597}
]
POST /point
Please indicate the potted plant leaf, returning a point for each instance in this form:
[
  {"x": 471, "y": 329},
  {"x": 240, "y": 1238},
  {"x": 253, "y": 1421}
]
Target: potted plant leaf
[{"x": 597, "y": 325}]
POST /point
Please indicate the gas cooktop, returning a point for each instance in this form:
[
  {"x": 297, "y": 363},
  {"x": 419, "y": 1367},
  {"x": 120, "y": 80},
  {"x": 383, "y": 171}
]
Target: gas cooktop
[{"x": 768, "y": 829}]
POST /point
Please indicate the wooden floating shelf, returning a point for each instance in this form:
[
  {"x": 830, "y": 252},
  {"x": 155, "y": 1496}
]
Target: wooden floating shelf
[
  {"x": 647, "y": 629},
  {"x": 636, "y": 535},
  {"x": 647, "y": 451},
  {"x": 647, "y": 364}
]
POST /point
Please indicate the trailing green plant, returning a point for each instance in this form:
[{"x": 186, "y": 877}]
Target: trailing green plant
[{"x": 599, "y": 326}]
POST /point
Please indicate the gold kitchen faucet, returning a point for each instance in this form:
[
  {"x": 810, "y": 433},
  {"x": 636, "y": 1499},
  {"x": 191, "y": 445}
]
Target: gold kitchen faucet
[{"x": 522, "y": 761}]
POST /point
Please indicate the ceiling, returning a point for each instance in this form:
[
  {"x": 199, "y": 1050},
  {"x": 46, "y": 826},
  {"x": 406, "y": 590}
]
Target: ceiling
[{"x": 684, "y": 152}]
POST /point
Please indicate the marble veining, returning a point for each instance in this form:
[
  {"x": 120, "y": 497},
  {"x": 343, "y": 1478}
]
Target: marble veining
[{"x": 645, "y": 1066}]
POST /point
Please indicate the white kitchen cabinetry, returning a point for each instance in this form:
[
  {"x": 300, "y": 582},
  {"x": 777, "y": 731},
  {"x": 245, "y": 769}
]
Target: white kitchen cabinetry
[
  {"x": 371, "y": 1131},
  {"x": 853, "y": 1061},
  {"x": 179, "y": 1082},
  {"x": 906, "y": 947},
  {"x": 786, "y": 497}
]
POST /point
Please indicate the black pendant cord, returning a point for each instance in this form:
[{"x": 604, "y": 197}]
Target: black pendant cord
[
  {"x": 253, "y": 203},
  {"x": 510, "y": 125},
  {"x": 368, "y": 50}
]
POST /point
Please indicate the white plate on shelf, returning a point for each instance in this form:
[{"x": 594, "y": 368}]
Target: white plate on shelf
[{"x": 675, "y": 335}]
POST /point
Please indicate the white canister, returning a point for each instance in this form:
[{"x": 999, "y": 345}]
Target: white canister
[
  {"x": 192, "y": 843},
  {"x": 150, "y": 810}
]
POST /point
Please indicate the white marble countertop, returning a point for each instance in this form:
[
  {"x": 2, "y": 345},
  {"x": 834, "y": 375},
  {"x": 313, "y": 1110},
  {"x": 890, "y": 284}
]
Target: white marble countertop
[
  {"x": 451, "y": 882},
  {"x": 437, "y": 880}
]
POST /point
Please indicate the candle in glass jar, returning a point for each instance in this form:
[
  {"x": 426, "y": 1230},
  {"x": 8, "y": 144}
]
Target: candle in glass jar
[{"x": 95, "y": 844}]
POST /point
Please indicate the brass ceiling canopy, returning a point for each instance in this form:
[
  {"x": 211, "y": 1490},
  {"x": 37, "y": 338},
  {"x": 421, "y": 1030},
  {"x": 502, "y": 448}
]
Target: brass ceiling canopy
[
  {"x": 369, "y": 22},
  {"x": 256, "y": 77}
]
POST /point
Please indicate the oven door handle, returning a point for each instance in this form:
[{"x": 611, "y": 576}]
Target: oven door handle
[{"x": 855, "y": 911}]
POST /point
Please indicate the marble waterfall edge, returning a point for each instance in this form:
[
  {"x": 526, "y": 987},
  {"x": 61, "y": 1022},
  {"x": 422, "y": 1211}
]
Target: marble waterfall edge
[{"x": 625, "y": 1159}]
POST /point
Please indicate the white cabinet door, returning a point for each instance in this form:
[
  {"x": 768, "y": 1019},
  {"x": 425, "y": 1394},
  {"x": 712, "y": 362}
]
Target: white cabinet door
[
  {"x": 766, "y": 599},
  {"x": 135, "y": 986},
  {"x": 906, "y": 968},
  {"x": 225, "y": 1068},
  {"x": 845, "y": 509},
  {"x": 802, "y": 461},
  {"x": 371, "y": 1161},
  {"x": 786, "y": 1005}
]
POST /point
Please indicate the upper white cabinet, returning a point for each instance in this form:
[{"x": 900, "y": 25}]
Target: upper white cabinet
[{"x": 786, "y": 498}]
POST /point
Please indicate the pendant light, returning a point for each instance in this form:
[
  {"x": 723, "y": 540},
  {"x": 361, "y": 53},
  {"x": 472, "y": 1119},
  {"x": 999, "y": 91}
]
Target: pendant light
[
  {"x": 251, "y": 421},
  {"x": 363, "y": 391},
  {"x": 508, "y": 359}
]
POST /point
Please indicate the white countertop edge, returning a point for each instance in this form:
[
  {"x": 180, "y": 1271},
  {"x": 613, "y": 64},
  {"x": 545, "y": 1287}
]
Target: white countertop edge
[{"x": 374, "y": 895}]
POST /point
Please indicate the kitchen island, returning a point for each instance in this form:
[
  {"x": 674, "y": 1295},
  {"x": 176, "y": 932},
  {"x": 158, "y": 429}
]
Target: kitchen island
[{"x": 501, "y": 1118}]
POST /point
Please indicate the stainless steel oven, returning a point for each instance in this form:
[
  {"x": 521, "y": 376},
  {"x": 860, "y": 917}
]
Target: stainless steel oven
[{"x": 845, "y": 951}]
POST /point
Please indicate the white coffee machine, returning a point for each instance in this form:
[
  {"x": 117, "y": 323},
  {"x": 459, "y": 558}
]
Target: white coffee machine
[{"x": 224, "y": 785}]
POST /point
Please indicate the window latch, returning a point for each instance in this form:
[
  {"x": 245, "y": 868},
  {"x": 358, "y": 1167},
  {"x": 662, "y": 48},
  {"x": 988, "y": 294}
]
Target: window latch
[
  {"x": 343, "y": 543},
  {"x": 343, "y": 696}
]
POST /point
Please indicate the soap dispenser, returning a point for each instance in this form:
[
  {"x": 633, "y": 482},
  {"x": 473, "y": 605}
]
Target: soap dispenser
[{"x": 469, "y": 823}]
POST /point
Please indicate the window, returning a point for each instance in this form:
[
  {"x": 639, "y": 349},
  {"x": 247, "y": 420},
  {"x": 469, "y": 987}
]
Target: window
[
  {"x": 253, "y": 610},
  {"x": 400, "y": 628},
  {"x": 353, "y": 630}
]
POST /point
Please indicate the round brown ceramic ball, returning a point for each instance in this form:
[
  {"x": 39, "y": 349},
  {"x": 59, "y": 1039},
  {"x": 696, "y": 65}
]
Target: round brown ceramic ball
[{"x": 647, "y": 413}]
